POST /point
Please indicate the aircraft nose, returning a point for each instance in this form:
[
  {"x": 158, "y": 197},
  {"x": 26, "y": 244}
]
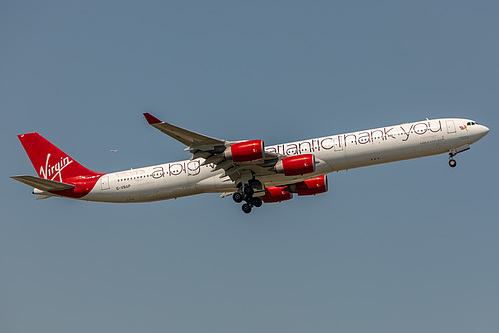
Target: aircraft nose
[{"x": 484, "y": 130}]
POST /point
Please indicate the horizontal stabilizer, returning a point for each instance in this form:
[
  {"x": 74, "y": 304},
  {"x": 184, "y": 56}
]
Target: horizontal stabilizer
[{"x": 43, "y": 184}]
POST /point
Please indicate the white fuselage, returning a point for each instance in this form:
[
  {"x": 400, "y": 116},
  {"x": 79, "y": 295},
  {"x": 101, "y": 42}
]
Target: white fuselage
[{"x": 333, "y": 153}]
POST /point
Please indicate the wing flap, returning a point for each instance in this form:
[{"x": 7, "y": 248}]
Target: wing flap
[{"x": 43, "y": 184}]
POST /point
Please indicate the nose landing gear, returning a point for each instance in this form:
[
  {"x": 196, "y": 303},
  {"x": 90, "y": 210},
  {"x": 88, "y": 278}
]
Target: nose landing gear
[{"x": 454, "y": 152}]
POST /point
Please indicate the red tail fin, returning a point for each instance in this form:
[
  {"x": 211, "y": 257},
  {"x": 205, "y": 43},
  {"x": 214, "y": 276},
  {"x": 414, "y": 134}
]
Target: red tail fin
[{"x": 49, "y": 161}]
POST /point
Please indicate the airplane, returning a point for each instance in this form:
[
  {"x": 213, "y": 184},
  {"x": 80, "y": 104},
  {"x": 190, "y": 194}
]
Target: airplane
[{"x": 247, "y": 170}]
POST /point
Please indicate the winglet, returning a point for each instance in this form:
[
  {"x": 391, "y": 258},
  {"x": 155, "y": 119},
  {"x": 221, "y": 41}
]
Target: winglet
[{"x": 151, "y": 119}]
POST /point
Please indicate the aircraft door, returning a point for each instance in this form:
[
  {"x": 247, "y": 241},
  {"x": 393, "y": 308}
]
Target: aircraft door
[
  {"x": 104, "y": 183},
  {"x": 451, "y": 128}
]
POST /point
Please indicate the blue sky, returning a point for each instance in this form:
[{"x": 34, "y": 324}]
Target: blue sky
[{"x": 409, "y": 246}]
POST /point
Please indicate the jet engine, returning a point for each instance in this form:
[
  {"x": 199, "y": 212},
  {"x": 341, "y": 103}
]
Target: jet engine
[
  {"x": 245, "y": 151},
  {"x": 276, "y": 194},
  {"x": 296, "y": 165},
  {"x": 312, "y": 186}
]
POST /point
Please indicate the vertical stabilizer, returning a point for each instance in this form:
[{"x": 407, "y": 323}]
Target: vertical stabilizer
[{"x": 49, "y": 161}]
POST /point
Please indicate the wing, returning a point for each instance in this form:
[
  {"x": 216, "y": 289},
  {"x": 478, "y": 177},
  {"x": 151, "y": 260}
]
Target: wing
[
  {"x": 187, "y": 137},
  {"x": 214, "y": 151}
]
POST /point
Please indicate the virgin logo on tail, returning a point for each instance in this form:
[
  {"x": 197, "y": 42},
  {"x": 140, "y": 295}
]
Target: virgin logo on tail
[{"x": 53, "y": 171}]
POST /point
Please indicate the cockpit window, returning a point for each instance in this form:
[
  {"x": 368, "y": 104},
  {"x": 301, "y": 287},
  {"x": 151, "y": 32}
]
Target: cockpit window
[{"x": 470, "y": 123}]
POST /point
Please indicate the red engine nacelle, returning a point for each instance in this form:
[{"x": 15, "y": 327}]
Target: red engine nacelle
[
  {"x": 276, "y": 194},
  {"x": 296, "y": 165},
  {"x": 245, "y": 151},
  {"x": 312, "y": 186}
]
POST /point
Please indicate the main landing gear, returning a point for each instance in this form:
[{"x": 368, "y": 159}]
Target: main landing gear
[
  {"x": 246, "y": 194},
  {"x": 452, "y": 162}
]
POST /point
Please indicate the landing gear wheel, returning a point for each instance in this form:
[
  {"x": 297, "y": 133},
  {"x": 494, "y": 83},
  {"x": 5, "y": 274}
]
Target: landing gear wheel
[
  {"x": 248, "y": 190},
  {"x": 257, "y": 202},
  {"x": 246, "y": 208},
  {"x": 452, "y": 163},
  {"x": 238, "y": 197}
]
